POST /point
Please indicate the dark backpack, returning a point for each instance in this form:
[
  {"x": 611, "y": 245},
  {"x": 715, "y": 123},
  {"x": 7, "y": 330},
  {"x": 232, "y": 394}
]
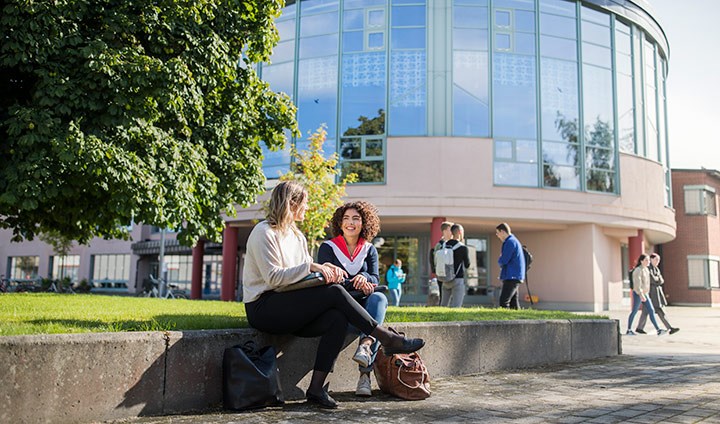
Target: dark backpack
[
  {"x": 631, "y": 278},
  {"x": 528, "y": 257}
]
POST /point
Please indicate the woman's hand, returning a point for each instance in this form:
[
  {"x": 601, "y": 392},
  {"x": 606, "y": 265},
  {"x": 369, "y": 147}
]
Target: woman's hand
[
  {"x": 331, "y": 273},
  {"x": 360, "y": 282}
]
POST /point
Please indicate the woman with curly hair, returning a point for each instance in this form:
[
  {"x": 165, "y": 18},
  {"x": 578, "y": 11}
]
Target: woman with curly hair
[
  {"x": 277, "y": 256},
  {"x": 353, "y": 226}
]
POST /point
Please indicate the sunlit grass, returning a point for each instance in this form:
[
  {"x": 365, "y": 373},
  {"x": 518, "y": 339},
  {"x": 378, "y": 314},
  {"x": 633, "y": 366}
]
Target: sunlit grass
[{"x": 48, "y": 313}]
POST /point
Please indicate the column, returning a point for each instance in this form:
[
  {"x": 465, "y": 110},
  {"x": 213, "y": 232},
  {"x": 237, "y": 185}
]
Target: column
[
  {"x": 435, "y": 232},
  {"x": 229, "y": 264},
  {"x": 197, "y": 269}
]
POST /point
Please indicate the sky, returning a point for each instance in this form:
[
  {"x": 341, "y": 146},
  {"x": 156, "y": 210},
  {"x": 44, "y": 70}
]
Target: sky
[{"x": 693, "y": 85}]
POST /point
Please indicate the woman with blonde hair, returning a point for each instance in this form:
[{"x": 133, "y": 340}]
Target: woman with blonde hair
[
  {"x": 277, "y": 256},
  {"x": 640, "y": 280}
]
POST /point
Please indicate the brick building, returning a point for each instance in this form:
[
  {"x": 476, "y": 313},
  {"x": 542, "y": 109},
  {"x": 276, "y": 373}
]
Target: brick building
[{"x": 691, "y": 262}]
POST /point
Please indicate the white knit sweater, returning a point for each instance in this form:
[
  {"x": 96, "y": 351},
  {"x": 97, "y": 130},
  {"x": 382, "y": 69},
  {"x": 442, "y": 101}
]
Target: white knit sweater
[{"x": 273, "y": 259}]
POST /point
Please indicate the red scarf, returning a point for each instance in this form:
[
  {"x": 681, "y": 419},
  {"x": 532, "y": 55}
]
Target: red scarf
[{"x": 340, "y": 243}]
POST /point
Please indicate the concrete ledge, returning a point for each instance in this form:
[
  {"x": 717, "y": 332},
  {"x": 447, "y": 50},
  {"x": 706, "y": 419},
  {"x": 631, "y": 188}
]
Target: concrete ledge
[{"x": 79, "y": 378}]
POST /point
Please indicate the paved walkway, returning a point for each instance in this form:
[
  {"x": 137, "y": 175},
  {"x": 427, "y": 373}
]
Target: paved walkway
[{"x": 668, "y": 379}]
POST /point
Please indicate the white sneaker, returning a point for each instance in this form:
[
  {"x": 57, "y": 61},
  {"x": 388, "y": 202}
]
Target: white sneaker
[
  {"x": 364, "y": 386},
  {"x": 661, "y": 332},
  {"x": 363, "y": 355}
]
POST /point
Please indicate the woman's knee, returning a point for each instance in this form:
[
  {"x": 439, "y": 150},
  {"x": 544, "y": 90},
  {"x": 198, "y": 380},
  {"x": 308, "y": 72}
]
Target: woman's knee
[{"x": 376, "y": 300}]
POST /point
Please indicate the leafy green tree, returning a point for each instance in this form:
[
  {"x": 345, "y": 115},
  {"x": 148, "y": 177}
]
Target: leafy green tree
[
  {"x": 144, "y": 111},
  {"x": 318, "y": 174}
]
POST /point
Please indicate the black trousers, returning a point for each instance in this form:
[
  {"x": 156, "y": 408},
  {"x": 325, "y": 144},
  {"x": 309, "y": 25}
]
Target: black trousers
[
  {"x": 509, "y": 294},
  {"x": 322, "y": 311}
]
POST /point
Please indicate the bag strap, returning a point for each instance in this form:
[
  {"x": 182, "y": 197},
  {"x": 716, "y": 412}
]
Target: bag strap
[{"x": 417, "y": 386}]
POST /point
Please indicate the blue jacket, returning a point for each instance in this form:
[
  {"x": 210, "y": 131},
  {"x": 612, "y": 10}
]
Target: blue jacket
[
  {"x": 512, "y": 260},
  {"x": 395, "y": 276}
]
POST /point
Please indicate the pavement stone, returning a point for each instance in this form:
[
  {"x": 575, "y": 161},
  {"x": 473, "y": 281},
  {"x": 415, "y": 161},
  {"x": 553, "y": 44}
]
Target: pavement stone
[{"x": 658, "y": 379}]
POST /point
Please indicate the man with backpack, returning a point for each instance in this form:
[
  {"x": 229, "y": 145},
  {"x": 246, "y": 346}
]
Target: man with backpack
[
  {"x": 512, "y": 267},
  {"x": 446, "y": 235},
  {"x": 450, "y": 263}
]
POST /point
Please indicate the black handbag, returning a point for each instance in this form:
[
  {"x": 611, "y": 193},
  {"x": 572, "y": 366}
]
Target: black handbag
[{"x": 250, "y": 377}]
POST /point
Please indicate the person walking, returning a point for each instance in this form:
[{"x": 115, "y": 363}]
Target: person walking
[
  {"x": 353, "y": 226},
  {"x": 657, "y": 297},
  {"x": 640, "y": 280},
  {"x": 454, "y": 289},
  {"x": 512, "y": 267},
  {"x": 277, "y": 256},
  {"x": 395, "y": 277}
]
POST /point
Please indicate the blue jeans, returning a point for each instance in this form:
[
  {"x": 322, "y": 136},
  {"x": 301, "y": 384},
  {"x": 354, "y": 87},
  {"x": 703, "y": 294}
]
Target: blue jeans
[
  {"x": 376, "y": 306},
  {"x": 648, "y": 307},
  {"x": 395, "y": 295}
]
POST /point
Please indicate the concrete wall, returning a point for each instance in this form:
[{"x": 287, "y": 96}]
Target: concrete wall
[{"x": 77, "y": 378}]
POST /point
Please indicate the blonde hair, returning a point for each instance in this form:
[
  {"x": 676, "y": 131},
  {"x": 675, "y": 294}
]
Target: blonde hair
[{"x": 284, "y": 199}]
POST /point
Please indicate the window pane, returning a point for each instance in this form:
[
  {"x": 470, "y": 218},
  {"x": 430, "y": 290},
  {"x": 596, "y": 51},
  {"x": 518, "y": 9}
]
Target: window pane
[
  {"x": 470, "y": 17},
  {"x": 373, "y": 148},
  {"x": 324, "y": 45},
  {"x": 524, "y": 43},
  {"x": 558, "y": 7},
  {"x": 363, "y": 94},
  {"x": 408, "y": 16},
  {"x": 353, "y": 41},
  {"x": 524, "y": 21},
  {"x": 558, "y": 26},
  {"x": 560, "y": 154},
  {"x": 470, "y": 39},
  {"x": 696, "y": 273},
  {"x": 596, "y": 34},
  {"x": 376, "y": 18},
  {"x": 354, "y": 19},
  {"x": 514, "y": 101},
  {"x": 376, "y": 40},
  {"x": 693, "y": 201},
  {"x": 319, "y": 24},
  {"x": 560, "y": 48},
  {"x": 596, "y": 55},
  {"x": 317, "y": 94},
  {"x": 408, "y": 38},
  {"x": 502, "y": 18},
  {"x": 560, "y": 102},
  {"x": 350, "y": 148},
  {"x": 714, "y": 277},
  {"x": 516, "y": 174},
  {"x": 565, "y": 177},
  {"x": 600, "y": 181},
  {"x": 367, "y": 171},
  {"x": 408, "y": 92}
]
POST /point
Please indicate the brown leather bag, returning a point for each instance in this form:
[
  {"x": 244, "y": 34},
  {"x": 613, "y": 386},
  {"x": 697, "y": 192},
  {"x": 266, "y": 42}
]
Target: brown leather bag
[{"x": 403, "y": 375}]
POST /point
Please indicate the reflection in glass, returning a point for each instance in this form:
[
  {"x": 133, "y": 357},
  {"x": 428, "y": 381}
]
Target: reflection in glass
[
  {"x": 503, "y": 41},
  {"x": 404, "y": 16},
  {"x": 514, "y": 104},
  {"x": 317, "y": 95},
  {"x": 367, "y": 171},
  {"x": 470, "y": 17},
  {"x": 374, "y": 148},
  {"x": 524, "y": 21},
  {"x": 408, "y": 38},
  {"x": 515, "y": 174},
  {"x": 559, "y": 93},
  {"x": 560, "y": 153},
  {"x": 558, "y": 7},
  {"x": 324, "y": 45},
  {"x": 408, "y": 91},
  {"x": 350, "y": 148},
  {"x": 376, "y": 18},
  {"x": 318, "y": 24},
  {"x": 502, "y": 18}
]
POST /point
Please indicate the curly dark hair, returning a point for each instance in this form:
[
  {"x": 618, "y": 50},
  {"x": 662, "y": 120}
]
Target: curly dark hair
[{"x": 369, "y": 214}]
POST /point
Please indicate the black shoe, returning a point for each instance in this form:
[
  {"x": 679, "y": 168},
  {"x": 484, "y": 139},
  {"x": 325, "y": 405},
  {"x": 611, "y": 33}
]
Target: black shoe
[
  {"x": 323, "y": 400},
  {"x": 674, "y": 330},
  {"x": 640, "y": 331},
  {"x": 407, "y": 346}
]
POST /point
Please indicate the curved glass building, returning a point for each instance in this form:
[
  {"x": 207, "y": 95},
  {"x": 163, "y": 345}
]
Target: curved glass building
[{"x": 547, "y": 114}]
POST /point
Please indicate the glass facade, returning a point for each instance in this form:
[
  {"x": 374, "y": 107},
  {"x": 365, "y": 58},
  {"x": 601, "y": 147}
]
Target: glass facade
[
  {"x": 110, "y": 271},
  {"x": 562, "y": 87}
]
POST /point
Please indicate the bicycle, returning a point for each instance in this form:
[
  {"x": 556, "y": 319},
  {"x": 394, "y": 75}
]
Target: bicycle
[
  {"x": 4, "y": 285},
  {"x": 151, "y": 288}
]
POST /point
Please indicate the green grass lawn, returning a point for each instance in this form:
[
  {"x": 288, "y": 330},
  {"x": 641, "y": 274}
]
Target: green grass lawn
[{"x": 49, "y": 313}]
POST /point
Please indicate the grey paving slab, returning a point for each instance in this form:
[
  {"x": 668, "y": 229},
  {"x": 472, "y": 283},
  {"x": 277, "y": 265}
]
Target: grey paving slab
[{"x": 667, "y": 379}]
